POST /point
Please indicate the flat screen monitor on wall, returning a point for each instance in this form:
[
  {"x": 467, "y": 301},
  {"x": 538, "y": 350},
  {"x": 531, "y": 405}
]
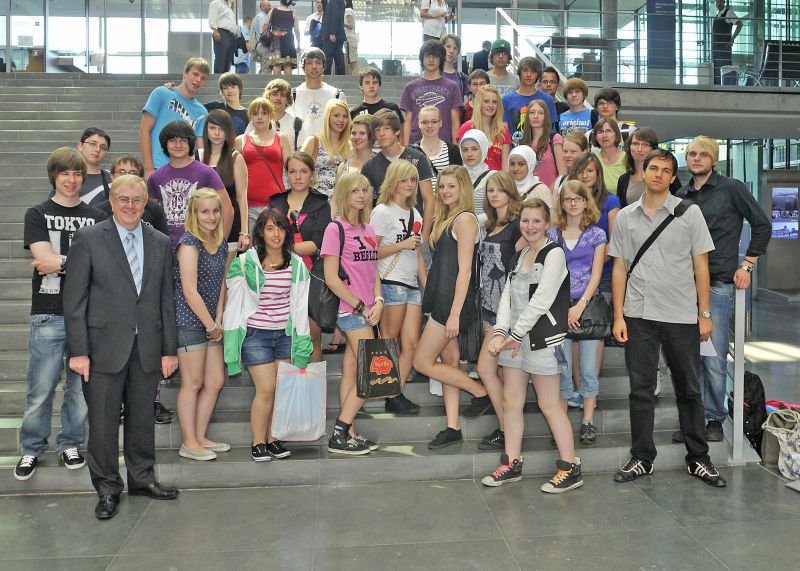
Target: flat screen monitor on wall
[{"x": 784, "y": 213}]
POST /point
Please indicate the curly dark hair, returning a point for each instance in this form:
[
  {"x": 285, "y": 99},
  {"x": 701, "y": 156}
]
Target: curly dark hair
[{"x": 276, "y": 217}]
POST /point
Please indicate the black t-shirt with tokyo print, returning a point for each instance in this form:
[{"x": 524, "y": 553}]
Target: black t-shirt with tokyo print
[{"x": 50, "y": 222}]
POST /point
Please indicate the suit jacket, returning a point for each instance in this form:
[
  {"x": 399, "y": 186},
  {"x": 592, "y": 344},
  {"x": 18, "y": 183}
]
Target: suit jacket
[
  {"x": 480, "y": 60},
  {"x": 333, "y": 20},
  {"x": 103, "y": 313}
]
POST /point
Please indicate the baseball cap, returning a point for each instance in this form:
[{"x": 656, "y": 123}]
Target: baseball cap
[{"x": 498, "y": 45}]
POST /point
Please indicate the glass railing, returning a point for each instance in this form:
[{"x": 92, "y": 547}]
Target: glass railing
[{"x": 640, "y": 48}]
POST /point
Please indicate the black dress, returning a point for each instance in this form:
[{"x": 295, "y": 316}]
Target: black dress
[{"x": 440, "y": 288}]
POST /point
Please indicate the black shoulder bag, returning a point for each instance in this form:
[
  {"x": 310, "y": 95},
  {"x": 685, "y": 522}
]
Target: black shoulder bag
[{"x": 323, "y": 304}]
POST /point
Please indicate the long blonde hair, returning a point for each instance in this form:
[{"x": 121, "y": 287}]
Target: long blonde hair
[
  {"x": 343, "y": 147},
  {"x": 496, "y": 127},
  {"x": 341, "y": 198},
  {"x": 192, "y": 225},
  {"x": 442, "y": 215},
  {"x": 400, "y": 169}
]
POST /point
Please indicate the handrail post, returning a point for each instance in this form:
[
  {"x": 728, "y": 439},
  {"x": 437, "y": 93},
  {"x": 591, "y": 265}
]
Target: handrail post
[{"x": 737, "y": 457}]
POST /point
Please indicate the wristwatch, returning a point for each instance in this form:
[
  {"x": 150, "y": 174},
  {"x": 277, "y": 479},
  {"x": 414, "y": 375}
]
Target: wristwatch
[
  {"x": 748, "y": 269},
  {"x": 706, "y": 314},
  {"x": 63, "y": 265}
]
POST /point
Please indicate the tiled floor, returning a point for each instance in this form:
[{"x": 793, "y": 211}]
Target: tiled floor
[{"x": 665, "y": 521}]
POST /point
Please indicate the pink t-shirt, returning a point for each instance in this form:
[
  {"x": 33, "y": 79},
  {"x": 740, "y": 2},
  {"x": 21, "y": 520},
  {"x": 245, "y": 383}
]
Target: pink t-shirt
[
  {"x": 546, "y": 169},
  {"x": 494, "y": 158},
  {"x": 359, "y": 259}
]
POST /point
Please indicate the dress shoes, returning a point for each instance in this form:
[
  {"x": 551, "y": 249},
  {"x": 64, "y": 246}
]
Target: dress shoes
[
  {"x": 106, "y": 507},
  {"x": 155, "y": 491}
]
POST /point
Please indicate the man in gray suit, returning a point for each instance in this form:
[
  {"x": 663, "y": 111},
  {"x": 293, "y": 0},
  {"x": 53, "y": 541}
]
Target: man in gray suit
[{"x": 119, "y": 310}]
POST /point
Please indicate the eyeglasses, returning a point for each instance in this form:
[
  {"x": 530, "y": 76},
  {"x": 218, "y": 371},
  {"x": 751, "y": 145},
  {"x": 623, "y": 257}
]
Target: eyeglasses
[
  {"x": 606, "y": 132},
  {"x": 572, "y": 200},
  {"x": 549, "y": 82},
  {"x": 120, "y": 172},
  {"x": 641, "y": 145},
  {"x": 93, "y": 145},
  {"x": 125, "y": 201}
]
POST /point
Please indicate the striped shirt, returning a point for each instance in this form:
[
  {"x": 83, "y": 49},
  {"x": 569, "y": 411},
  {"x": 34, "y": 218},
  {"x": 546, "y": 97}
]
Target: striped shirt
[
  {"x": 439, "y": 162},
  {"x": 273, "y": 301}
]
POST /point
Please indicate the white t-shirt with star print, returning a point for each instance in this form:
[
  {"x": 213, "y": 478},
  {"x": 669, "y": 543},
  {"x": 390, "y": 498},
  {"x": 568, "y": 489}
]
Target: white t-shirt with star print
[{"x": 309, "y": 105}]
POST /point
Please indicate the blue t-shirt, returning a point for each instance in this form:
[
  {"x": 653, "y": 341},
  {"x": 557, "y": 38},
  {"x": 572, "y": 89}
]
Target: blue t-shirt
[
  {"x": 167, "y": 105},
  {"x": 512, "y": 116},
  {"x": 575, "y": 122},
  {"x": 612, "y": 202},
  {"x": 210, "y": 273}
]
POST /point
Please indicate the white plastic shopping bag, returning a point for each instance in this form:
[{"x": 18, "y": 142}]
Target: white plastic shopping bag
[{"x": 300, "y": 401}]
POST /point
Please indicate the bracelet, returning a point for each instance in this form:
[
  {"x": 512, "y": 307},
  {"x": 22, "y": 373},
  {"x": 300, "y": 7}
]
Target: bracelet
[
  {"x": 748, "y": 269},
  {"x": 359, "y": 308},
  {"x": 380, "y": 298},
  {"x": 585, "y": 300},
  {"x": 245, "y": 234},
  {"x": 212, "y": 329}
]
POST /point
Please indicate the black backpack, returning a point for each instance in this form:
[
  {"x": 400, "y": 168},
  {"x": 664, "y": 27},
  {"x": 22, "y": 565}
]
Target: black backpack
[{"x": 755, "y": 409}]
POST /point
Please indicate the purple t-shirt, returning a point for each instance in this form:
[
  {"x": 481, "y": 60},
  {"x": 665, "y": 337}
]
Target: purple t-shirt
[
  {"x": 171, "y": 187},
  {"x": 581, "y": 258},
  {"x": 441, "y": 93},
  {"x": 359, "y": 259}
]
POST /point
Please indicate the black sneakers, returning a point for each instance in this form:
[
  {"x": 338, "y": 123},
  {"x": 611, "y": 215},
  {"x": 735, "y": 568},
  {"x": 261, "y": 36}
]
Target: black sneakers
[
  {"x": 25, "y": 467},
  {"x": 343, "y": 443},
  {"x": 509, "y": 472},
  {"x": 373, "y": 446},
  {"x": 567, "y": 478},
  {"x": 708, "y": 473},
  {"x": 714, "y": 432},
  {"x": 632, "y": 469},
  {"x": 588, "y": 434},
  {"x": 72, "y": 459},
  {"x": 446, "y": 437},
  {"x": 161, "y": 414},
  {"x": 259, "y": 453},
  {"x": 277, "y": 450},
  {"x": 401, "y": 405},
  {"x": 494, "y": 441},
  {"x": 478, "y": 406}
]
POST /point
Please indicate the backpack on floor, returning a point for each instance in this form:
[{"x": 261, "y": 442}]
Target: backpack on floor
[{"x": 755, "y": 409}]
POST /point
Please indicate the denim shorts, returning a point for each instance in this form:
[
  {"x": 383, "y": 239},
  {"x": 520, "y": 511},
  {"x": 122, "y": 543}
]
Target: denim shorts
[
  {"x": 605, "y": 285},
  {"x": 349, "y": 322},
  {"x": 265, "y": 346},
  {"x": 394, "y": 294},
  {"x": 194, "y": 339},
  {"x": 488, "y": 317}
]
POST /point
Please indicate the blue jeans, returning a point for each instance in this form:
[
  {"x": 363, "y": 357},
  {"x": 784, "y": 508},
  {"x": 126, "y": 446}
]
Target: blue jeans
[
  {"x": 590, "y": 384},
  {"x": 714, "y": 370},
  {"x": 47, "y": 349}
]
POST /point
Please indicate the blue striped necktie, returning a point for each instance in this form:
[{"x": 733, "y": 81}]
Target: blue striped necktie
[{"x": 133, "y": 261}]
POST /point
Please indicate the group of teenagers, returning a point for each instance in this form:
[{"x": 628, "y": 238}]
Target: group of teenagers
[{"x": 465, "y": 250}]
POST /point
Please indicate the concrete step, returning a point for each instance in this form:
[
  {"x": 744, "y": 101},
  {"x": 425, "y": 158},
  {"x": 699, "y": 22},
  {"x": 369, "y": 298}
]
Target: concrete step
[
  {"x": 13, "y": 364},
  {"x": 14, "y": 313},
  {"x": 14, "y": 337},
  {"x": 611, "y": 417},
  {"x": 60, "y": 124},
  {"x": 12, "y": 249},
  {"x": 16, "y": 290},
  {"x": 312, "y": 464},
  {"x": 15, "y": 268},
  {"x": 11, "y": 231},
  {"x": 118, "y": 146},
  {"x": 11, "y": 213},
  {"x": 20, "y": 187},
  {"x": 66, "y": 135}
]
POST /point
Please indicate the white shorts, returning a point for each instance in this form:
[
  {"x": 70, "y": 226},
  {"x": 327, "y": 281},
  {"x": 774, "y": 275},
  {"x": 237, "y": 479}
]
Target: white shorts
[{"x": 538, "y": 362}]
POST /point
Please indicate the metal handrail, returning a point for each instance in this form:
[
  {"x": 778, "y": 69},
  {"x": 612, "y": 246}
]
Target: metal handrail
[{"x": 737, "y": 454}]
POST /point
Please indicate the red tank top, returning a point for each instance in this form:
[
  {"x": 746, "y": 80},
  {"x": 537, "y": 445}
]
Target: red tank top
[{"x": 261, "y": 183}]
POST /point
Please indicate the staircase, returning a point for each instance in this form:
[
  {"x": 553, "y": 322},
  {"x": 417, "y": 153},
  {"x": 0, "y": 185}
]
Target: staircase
[{"x": 44, "y": 111}]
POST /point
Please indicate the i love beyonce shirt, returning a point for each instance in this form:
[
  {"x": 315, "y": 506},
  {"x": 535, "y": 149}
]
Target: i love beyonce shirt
[{"x": 359, "y": 259}]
